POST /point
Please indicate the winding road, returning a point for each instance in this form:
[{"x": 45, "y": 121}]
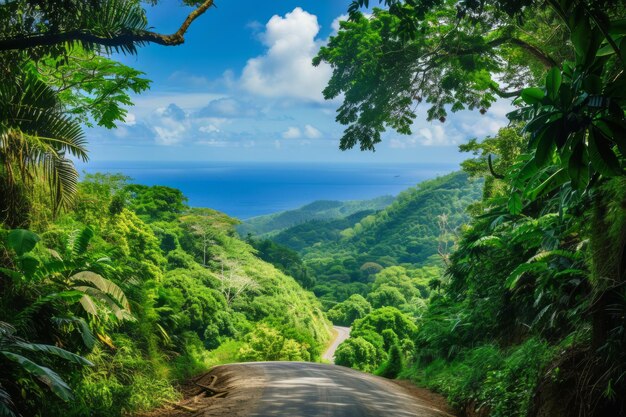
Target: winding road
[
  {"x": 342, "y": 334},
  {"x": 300, "y": 389}
]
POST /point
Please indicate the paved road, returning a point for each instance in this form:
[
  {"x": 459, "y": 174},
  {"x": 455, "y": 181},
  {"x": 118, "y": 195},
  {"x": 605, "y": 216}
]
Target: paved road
[
  {"x": 342, "y": 334},
  {"x": 298, "y": 389}
]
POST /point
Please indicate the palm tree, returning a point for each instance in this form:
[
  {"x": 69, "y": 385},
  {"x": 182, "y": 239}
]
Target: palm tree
[{"x": 36, "y": 139}]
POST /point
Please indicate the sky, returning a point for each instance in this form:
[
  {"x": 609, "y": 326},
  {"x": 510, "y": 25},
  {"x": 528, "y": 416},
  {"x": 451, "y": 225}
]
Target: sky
[{"x": 242, "y": 88}]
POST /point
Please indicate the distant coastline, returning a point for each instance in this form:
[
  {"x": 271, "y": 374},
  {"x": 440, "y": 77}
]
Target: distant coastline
[{"x": 248, "y": 189}]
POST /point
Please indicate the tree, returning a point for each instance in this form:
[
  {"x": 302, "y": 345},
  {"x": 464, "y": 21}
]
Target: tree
[
  {"x": 119, "y": 25},
  {"x": 353, "y": 308},
  {"x": 437, "y": 53},
  {"x": 53, "y": 78},
  {"x": 35, "y": 137}
]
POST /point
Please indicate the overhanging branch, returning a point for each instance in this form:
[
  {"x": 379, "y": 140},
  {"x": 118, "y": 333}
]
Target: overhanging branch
[
  {"x": 546, "y": 60},
  {"x": 123, "y": 38},
  {"x": 505, "y": 94}
]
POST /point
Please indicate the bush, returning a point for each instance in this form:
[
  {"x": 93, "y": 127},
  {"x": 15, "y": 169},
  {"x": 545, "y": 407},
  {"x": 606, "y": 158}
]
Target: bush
[
  {"x": 344, "y": 313},
  {"x": 358, "y": 353},
  {"x": 392, "y": 367}
]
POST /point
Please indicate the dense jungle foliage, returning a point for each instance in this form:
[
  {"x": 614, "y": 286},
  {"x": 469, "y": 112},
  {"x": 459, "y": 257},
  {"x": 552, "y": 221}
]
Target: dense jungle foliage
[
  {"x": 414, "y": 232},
  {"x": 111, "y": 292},
  {"x": 529, "y": 317},
  {"x": 120, "y": 299}
]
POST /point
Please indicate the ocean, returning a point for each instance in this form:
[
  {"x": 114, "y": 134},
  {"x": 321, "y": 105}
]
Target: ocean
[{"x": 245, "y": 190}]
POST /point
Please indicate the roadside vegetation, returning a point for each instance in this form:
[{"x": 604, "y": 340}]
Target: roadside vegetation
[
  {"x": 528, "y": 317},
  {"x": 112, "y": 292},
  {"x": 501, "y": 287}
]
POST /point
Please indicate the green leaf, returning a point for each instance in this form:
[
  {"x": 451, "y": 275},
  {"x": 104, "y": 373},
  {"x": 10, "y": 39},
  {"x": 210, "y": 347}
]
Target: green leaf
[
  {"x": 515, "y": 203},
  {"x": 53, "y": 350},
  {"x": 553, "y": 82},
  {"x": 546, "y": 143},
  {"x": 46, "y": 375},
  {"x": 29, "y": 265},
  {"x": 514, "y": 277},
  {"x": 580, "y": 34},
  {"x": 14, "y": 275},
  {"x": 103, "y": 285},
  {"x": 81, "y": 241},
  {"x": 577, "y": 167},
  {"x": 602, "y": 157},
  {"x": 539, "y": 121},
  {"x": 593, "y": 84},
  {"x": 22, "y": 241},
  {"x": 532, "y": 95},
  {"x": 616, "y": 130},
  {"x": 554, "y": 181}
]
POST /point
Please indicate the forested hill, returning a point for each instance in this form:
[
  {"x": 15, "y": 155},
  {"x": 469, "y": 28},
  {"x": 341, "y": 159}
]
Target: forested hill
[
  {"x": 343, "y": 254},
  {"x": 147, "y": 292},
  {"x": 408, "y": 230},
  {"x": 270, "y": 224}
]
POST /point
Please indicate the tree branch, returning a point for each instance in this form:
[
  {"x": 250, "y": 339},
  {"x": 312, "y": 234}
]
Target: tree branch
[
  {"x": 505, "y": 94},
  {"x": 123, "y": 38},
  {"x": 547, "y": 61}
]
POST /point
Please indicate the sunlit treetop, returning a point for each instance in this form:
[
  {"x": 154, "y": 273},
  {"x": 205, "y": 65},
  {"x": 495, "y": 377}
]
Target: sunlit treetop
[{"x": 450, "y": 56}]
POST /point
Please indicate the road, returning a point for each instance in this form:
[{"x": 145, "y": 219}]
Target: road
[
  {"x": 300, "y": 389},
  {"x": 342, "y": 334}
]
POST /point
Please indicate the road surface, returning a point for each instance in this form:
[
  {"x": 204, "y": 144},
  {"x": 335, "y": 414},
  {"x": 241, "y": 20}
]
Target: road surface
[
  {"x": 300, "y": 389},
  {"x": 342, "y": 334}
]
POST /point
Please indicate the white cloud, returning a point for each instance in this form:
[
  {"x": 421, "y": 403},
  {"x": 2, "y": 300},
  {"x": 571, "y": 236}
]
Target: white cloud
[
  {"x": 211, "y": 128},
  {"x": 215, "y": 143},
  {"x": 170, "y": 132},
  {"x": 145, "y": 105},
  {"x": 170, "y": 125},
  {"x": 311, "y": 132},
  {"x": 336, "y": 22},
  {"x": 292, "y": 133},
  {"x": 229, "y": 107},
  {"x": 403, "y": 142},
  {"x": 437, "y": 136},
  {"x": 130, "y": 119},
  {"x": 286, "y": 70}
]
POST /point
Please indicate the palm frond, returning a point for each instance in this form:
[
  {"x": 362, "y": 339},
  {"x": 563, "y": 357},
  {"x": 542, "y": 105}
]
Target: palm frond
[
  {"x": 80, "y": 241},
  {"x": 102, "y": 284},
  {"x": 53, "y": 350},
  {"x": 46, "y": 375}
]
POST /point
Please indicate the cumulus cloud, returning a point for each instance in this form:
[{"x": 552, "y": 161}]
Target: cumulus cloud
[
  {"x": 292, "y": 133},
  {"x": 172, "y": 112},
  {"x": 336, "y": 25},
  {"x": 312, "y": 132},
  {"x": 229, "y": 107},
  {"x": 285, "y": 70},
  {"x": 130, "y": 119},
  {"x": 436, "y": 135}
]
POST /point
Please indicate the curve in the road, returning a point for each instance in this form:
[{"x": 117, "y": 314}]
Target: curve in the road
[{"x": 342, "y": 334}]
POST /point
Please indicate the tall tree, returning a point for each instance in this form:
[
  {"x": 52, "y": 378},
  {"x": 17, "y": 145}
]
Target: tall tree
[{"x": 55, "y": 76}]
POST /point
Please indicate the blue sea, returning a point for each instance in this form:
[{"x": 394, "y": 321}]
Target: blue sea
[{"x": 245, "y": 190}]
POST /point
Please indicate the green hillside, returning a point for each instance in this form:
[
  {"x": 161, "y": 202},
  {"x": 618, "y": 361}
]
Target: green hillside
[
  {"x": 147, "y": 292},
  {"x": 270, "y": 224},
  {"x": 421, "y": 222}
]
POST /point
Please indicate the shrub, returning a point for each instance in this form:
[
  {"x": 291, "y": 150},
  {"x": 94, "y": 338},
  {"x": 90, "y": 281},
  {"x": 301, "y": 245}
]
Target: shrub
[{"x": 393, "y": 365}]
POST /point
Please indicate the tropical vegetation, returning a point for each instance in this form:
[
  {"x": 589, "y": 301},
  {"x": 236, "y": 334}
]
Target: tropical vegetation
[{"x": 528, "y": 318}]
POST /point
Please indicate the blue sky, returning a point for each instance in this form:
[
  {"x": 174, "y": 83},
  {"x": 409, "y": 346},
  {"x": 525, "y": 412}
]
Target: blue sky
[{"x": 242, "y": 88}]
